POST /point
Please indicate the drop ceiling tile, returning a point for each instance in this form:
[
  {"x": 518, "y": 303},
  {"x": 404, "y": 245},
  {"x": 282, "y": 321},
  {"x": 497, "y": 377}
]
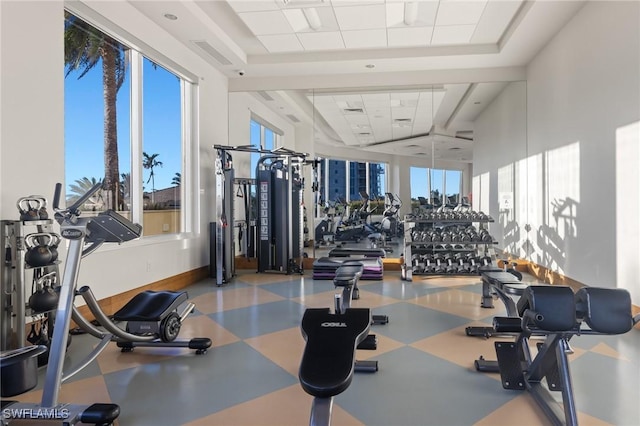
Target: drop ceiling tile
[
  {"x": 264, "y": 23},
  {"x": 252, "y": 6},
  {"x": 380, "y": 97},
  {"x": 409, "y": 36},
  {"x": 278, "y": 43},
  {"x": 460, "y": 12},
  {"x": 347, "y": 98},
  {"x": 361, "y": 39},
  {"x": 403, "y": 112},
  {"x": 361, "y": 17},
  {"x": 337, "y": 3},
  {"x": 357, "y": 119},
  {"x": 411, "y": 13},
  {"x": 452, "y": 34},
  {"x": 329, "y": 40},
  {"x": 299, "y": 19},
  {"x": 494, "y": 21},
  {"x": 405, "y": 95}
]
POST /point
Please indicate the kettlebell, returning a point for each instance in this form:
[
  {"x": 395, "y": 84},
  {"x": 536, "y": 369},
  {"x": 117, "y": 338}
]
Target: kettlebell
[
  {"x": 43, "y": 300},
  {"x": 29, "y": 208},
  {"x": 53, "y": 246},
  {"x": 38, "y": 253}
]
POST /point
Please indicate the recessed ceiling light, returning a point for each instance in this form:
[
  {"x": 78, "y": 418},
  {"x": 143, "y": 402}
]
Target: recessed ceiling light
[
  {"x": 170, "y": 16},
  {"x": 370, "y": 66}
]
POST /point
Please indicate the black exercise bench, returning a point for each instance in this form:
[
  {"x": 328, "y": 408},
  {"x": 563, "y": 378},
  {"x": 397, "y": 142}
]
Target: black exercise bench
[
  {"x": 328, "y": 360},
  {"x": 555, "y": 313}
]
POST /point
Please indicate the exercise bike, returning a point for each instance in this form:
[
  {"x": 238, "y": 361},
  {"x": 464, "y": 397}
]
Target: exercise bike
[{"x": 106, "y": 227}]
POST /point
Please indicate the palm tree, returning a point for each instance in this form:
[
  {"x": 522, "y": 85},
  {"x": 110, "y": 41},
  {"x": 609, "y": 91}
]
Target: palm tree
[
  {"x": 81, "y": 187},
  {"x": 150, "y": 162},
  {"x": 84, "y": 48},
  {"x": 177, "y": 179}
]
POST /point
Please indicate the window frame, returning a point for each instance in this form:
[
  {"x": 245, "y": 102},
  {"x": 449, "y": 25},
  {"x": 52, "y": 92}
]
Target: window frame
[{"x": 189, "y": 93}]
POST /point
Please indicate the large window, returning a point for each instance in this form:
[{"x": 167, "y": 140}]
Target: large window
[
  {"x": 261, "y": 137},
  {"x": 126, "y": 124},
  {"x": 343, "y": 181},
  {"x": 435, "y": 186}
]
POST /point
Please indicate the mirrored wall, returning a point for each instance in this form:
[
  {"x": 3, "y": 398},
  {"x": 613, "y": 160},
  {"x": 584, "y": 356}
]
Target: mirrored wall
[{"x": 450, "y": 142}]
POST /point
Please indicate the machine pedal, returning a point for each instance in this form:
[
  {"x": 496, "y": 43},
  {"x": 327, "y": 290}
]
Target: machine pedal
[{"x": 510, "y": 365}]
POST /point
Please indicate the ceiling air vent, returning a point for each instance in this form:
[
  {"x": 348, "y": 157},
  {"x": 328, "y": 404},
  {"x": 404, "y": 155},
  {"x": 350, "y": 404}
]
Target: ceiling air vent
[
  {"x": 412, "y": 146},
  {"x": 402, "y": 120},
  {"x": 364, "y": 134},
  {"x": 212, "y": 52},
  {"x": 353, "y": 111},
  {"x": 293, "y": 118}
]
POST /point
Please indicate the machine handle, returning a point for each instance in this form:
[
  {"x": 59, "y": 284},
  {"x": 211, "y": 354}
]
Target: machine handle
[{"x": 56, "y": 196}]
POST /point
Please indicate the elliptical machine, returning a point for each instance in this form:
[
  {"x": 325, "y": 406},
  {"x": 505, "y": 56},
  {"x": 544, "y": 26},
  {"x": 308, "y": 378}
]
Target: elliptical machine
[
  {"x": 19, "y": 369},
  {"x": 391, "y": 225}
]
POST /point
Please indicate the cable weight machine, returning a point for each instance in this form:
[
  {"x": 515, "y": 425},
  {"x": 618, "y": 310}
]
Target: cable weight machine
[
  {"x": 280, "y": 212},
  {"x": 279, "y": 242}
]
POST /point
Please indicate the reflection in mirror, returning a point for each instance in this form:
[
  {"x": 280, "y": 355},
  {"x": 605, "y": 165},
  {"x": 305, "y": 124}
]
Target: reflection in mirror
[{"x": 422, "y": 144}]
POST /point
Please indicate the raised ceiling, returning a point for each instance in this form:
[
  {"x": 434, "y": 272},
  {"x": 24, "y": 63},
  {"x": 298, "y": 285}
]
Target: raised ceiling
[{"x": 373, "y": 63}]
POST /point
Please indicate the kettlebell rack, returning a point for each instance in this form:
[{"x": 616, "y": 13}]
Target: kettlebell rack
[{"x": 29, "y": 272}]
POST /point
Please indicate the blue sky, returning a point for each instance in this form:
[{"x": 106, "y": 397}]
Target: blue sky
[
  {"x": 84, "y": 112},
  {"x": 420, "y": 183}
]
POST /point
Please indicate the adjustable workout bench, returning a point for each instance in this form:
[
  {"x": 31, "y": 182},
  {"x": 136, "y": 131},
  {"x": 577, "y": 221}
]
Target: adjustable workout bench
[
  {"x": 556, "y": 313},
  {"x": 328, "y": 359},
  {"x": 347, "y": 277}
]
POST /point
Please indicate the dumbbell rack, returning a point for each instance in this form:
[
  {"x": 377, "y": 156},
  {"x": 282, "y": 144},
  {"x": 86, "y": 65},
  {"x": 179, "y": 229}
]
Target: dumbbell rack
[
  {"x": 15, "y": 273},
  {"x": 413, "y": 247}
]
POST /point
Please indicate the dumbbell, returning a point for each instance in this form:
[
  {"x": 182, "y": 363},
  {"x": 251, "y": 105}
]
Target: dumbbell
[
  {"x": 473, "y": 264},
  {"x": 485, "y": 236},
  {"x": 462, "y": 265},
  {"x": 512, "y": 270},
  {"x": 439, "y": 266},
  {"x": 429, "y": 266}
]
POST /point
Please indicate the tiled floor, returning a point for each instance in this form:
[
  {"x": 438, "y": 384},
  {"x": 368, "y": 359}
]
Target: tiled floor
[{"x": 426, "y": 376}]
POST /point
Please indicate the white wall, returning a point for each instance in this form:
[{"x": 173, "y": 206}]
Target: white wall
[
  {"x": 583, "y": 87},
  {"x": 32, "y": 117},
  {"x": 32, "y": 136},
  {"x": 500, "y": 146},
  {"x": 582, "y": 109}
]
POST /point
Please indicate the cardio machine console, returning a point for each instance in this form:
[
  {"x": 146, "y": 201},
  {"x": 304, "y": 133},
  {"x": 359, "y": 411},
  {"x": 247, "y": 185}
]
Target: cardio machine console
[{"x": 111, "y": 227}]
